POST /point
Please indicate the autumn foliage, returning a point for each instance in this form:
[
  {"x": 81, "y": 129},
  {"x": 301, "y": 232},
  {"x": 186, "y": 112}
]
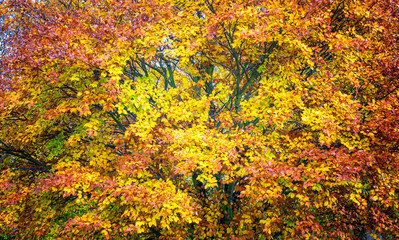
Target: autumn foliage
[{"x": 183, "y": 119}]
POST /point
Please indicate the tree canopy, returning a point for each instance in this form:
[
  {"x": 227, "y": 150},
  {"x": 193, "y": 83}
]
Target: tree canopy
[{"x": 206, "y": 119}]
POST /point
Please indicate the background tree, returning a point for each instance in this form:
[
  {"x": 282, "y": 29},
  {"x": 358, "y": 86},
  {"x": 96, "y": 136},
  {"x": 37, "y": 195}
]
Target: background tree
[{"x": 199, "y": 119}]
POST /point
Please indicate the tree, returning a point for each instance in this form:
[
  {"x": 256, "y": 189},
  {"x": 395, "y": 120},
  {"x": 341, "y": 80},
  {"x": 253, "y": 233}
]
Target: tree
[{"x": 199, "y": 119}]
